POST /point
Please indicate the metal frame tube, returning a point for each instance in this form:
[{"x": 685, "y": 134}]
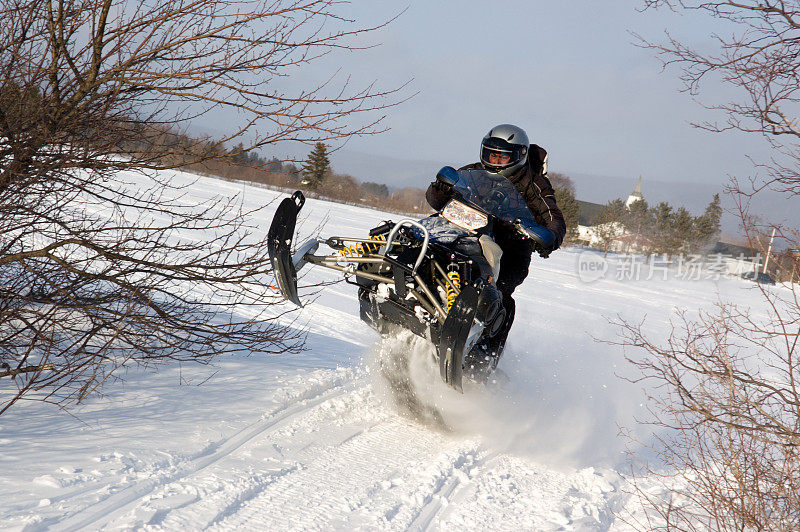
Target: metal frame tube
[
  {"x": 425, "y": 305},
  {"x": 433, "y": 308},
  {"x": 353, "y": 239},
  {"x": 364, "y": 259},
  {"x": 446, "y": 278},
  {"x": 428, "y": 293},
  {"x": 393, "y": 233},
  {"x": 316, "y": 260}
]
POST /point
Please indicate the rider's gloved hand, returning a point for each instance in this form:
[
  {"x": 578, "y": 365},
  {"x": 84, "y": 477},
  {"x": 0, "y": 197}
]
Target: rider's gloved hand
[
  {"x": 545, "y": 252},
  {"x": 442, "y": 188}
]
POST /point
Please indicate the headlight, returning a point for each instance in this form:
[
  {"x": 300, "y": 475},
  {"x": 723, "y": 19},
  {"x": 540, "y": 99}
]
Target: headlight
[{"x": 464, "y": 216}]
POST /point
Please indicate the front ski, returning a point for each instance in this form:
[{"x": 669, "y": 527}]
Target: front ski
[
  {"x": 279, "y": 244},
  {"x": 456, "y": 331}
]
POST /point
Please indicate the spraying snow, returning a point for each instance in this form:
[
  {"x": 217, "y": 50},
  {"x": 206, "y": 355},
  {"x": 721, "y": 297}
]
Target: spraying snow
[{"x": 526, "y": 414}]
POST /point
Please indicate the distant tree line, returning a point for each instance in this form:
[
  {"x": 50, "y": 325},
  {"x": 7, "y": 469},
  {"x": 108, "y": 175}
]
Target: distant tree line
[
  {"x": 663, "y": 229},
  {"x": 315, "y": 176}
]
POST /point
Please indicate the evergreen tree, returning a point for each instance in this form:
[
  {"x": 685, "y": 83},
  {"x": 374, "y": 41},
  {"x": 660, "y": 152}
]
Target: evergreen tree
[
  {"x": 254, "y": 159},
  {"x": 708, "y": 225},
  {"x": 376, "y": 189},
  {"x": 274, "y": 165},
  {"x": 565, "y": 198},
  {"x": 661, "y": 233},
  {"x": 316, "y": 167},
  {"x": 683, "y": 230},
  {"x": 638, "y": 217},
  {"x": 238, "y": 154}
]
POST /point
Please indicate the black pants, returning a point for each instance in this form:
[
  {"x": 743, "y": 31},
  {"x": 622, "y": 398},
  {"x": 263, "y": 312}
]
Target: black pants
[{"x": 514, "y": 267}]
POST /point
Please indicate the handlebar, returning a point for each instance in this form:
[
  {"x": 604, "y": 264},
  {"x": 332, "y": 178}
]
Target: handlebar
[{"x": 542, "y": 236}]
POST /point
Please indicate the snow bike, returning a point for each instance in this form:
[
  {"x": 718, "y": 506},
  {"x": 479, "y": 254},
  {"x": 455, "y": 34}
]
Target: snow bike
[{"x": 434, "y": 277}]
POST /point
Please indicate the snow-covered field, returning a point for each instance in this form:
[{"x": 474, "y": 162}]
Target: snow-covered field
[{"x": 319, "y": 441}]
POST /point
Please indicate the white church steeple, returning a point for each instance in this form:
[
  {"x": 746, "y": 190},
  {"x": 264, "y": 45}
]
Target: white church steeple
[{"x": 636, "y": 195}]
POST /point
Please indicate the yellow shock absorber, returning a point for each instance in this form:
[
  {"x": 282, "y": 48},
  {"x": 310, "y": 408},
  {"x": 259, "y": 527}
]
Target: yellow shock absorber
[
  {"x": 451, "y": 292},
  {"x": 348, "y": 251},
  {"x": 375, "y": 243},
  {"x": 360, "y": 249}
]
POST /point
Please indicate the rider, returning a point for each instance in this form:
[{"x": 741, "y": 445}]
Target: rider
[{"x": 505, "y": 150}]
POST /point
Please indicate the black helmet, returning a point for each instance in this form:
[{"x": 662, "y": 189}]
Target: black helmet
[{"x": 504, "y": 149}]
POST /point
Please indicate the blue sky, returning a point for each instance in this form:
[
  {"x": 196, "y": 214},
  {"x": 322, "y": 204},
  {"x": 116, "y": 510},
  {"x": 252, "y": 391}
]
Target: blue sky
[{"x": 567, "y": 72}]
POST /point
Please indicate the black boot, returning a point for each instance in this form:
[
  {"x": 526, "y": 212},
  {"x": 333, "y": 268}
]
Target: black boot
[
  {"x": 496, "y": 344},
  {"x": 490, "y": 309}
]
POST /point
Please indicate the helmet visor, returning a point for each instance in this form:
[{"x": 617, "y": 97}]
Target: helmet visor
[{"x": 498, "y": 154}]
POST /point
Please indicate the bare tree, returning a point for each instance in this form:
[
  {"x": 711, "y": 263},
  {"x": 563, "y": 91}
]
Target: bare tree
[
  {"x": 757, "y": 52},
  {"x": 725, "y": 383},
  {"x": 102, "y": 264}
]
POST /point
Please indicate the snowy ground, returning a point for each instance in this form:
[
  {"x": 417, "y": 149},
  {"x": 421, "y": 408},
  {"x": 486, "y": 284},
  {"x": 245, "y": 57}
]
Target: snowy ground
[{"x": 319, "y": 441}]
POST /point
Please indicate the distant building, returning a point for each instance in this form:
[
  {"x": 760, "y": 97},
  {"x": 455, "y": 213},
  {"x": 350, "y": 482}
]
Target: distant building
[
  {"x": 731, "y": 259},
  {"x": 588, "y": 212},
  {"x": 737, "y": 260},
  {"x": 734, "y": 250},
  {"x": 636, "y": 195},
  {"x": 588, "y": 230}
]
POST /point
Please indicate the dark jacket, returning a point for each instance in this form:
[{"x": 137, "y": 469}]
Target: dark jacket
[{"x": 531, "y": 180}]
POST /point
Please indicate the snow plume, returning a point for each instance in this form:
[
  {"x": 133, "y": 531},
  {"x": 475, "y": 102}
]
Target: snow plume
[
  {"x": 525, "y": 410},
  {"x": 407, "y": 377}
]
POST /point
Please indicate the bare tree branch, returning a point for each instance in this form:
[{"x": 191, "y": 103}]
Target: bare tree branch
[
  {"x": 759, "y": 58},
  {"x": 103, "y": 263}
]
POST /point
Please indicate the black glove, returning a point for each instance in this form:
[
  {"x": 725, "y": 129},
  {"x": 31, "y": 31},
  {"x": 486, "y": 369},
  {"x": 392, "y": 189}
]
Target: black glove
[
  {"x": 442, "y": 188},
  {"x": 544, "y": 253}
]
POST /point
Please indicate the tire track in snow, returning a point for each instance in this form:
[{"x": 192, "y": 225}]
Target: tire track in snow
[
  {"x": 382, "y": 477},
  {"x": 213, "y": 499},
  {"x": 451, "y": 489},
  {"x": 107, "y": 509},
  {"x": 220, "y": 504}
]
